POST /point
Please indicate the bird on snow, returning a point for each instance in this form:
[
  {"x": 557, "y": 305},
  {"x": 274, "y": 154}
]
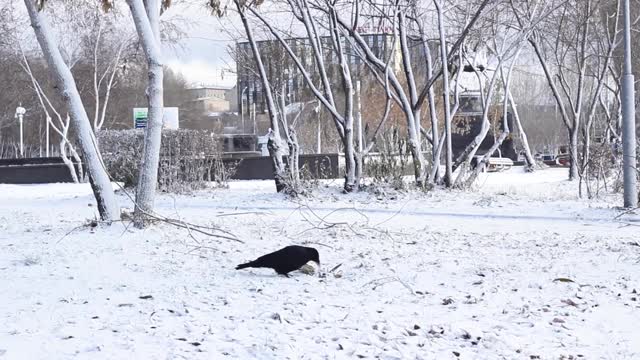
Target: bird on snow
[{"x": 285, "y": 260}]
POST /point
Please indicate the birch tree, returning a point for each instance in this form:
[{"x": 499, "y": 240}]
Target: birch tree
[
  {"x": 529, "y": 159},
  {"x": 107, "y": 45},
  {"x": 108, "y": 207},
  {"x": 61, "y": 127},
  {"x": 506, "y": 39},
  {"x": 325, "y": 92},
  {"x": 274, "y": 144},
  {"x": 410, "y": 98},
  {"x": 604, "y": 42},
  {"x": 146, "y": 17}
]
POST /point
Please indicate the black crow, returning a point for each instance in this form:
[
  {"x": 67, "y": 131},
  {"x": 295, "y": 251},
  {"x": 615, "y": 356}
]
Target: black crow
[{"x": 285, "y": 260}]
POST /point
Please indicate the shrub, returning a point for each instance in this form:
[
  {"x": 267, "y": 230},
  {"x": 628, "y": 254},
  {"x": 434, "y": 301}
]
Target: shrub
[{"x": 188, "y": 158}]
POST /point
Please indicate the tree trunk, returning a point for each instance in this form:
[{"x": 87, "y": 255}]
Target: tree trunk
[
  {"x": 319, "y": 135},
  {"x": 448, "y": 176},
  {"x": 64, "y": 142},
  {"x": 148, "y": 175},
  {"x": 419, "y": 167},
  {"x": 294, "y": 158},
  {"x": 293, "y": 180},
  {"x": 350, "y": 181},
  {"x": 470, "y": 151},
  {"x": 435, "y": 136},
  {"x": 505, "y": 123},
  {"x": 67, "y": 161},
  {"x": 359, "y": 162},
  {"x": 584, "y": 162},
  {"x": 349, "y": 157},
  {"x": 274, "y": 143},
  {"x": 484, "y": 160},
  {"x": 573, "y": 153},
  {"x": 531, "y": 162},
  {"x": 103, "y": 191}
]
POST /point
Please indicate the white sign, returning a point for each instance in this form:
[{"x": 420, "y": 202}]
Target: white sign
[{"x": 170, "y": 118}]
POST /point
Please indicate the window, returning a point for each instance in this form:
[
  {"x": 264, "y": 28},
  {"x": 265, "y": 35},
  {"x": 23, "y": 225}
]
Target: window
[
  {"x": 370, "y": 41},
  {"x": 375, "y": 48}
]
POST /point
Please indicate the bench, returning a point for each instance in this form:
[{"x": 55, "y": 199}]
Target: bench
[{"x": 496, "y": 164}]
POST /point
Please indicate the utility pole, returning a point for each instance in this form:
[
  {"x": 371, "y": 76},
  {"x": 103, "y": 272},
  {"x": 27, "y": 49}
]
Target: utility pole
[{"x": 628, "y": 120}]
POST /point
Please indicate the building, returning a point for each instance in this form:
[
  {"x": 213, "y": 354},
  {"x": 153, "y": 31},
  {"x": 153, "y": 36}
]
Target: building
[
  {"x": 280, "y": 68},
  {"x": 284, "y": 75},
  {"x": 212, "y": 99}
]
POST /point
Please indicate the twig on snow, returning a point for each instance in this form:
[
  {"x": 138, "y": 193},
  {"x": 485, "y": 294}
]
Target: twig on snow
[
  {"x": 625, "y": 212},
  {"x": 241, "y": 213},
  {"x": 204, "y": 230},
  {"x": 389, "y": 279}
]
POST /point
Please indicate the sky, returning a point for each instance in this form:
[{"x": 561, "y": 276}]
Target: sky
[{"x": 202, "y": 56}]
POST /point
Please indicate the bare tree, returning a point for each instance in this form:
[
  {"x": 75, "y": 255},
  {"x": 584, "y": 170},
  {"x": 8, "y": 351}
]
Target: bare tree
[
  {"x": 604, "y": 42},
  {"x": 343, "y": 119},
  {"x": 103, "y": 192},
  {"x": 146, "y": 18},
  {"x": 62, "y": 127},
  {"x": 412, "y": 96},
  {"x": 274, "y": 143},
  {"x": 567, "y": 47},
  {"x": 507, "y": 38},
  {"x": 530, "y": 160},
  {"x": 110, "y": 43}
]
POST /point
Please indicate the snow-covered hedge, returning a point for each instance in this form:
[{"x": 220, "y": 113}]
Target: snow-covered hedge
[{"x": 188, "y": 158}]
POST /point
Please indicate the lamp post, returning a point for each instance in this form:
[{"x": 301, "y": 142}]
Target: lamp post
[
  {"x": 47, "y": 134},
  {"x": 252, "y": 113},
  {"x": 628, "y": 119},
  {"x": 20, "y": 111},
  {"x": 242, "y": 107}
]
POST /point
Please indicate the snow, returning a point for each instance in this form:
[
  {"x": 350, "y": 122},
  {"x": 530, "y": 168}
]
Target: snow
[{"x": 422, "y": 275}]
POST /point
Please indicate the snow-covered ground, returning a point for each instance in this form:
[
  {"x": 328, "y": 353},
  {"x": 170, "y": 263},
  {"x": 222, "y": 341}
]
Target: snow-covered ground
[{"x": 517, "y": 269}]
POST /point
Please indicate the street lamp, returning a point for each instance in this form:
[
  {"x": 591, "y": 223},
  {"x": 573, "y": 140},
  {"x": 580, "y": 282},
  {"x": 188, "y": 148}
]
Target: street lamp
[
  {"x": 242, "y": 107},
  {"x": 252, "y": 113},
  {"x": 20, "y": 111}
]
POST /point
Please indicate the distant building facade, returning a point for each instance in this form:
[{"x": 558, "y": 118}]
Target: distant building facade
[
  {"x": 284, "y": 75},
  {"x": 280, "y": 68},
  {"x": 212, "y": 99}
]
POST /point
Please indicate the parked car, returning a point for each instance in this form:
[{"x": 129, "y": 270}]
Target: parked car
[{"x": 563, "y": 160}]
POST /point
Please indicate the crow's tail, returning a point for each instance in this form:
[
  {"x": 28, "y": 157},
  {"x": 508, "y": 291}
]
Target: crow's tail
[{"x": 244, "y": 266}]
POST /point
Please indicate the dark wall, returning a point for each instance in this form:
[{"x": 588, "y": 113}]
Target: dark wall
[
  {"x": 52, "y": 170},
  {"x": 34, "y": 171},
  {"x": 317, "y": 166}
]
